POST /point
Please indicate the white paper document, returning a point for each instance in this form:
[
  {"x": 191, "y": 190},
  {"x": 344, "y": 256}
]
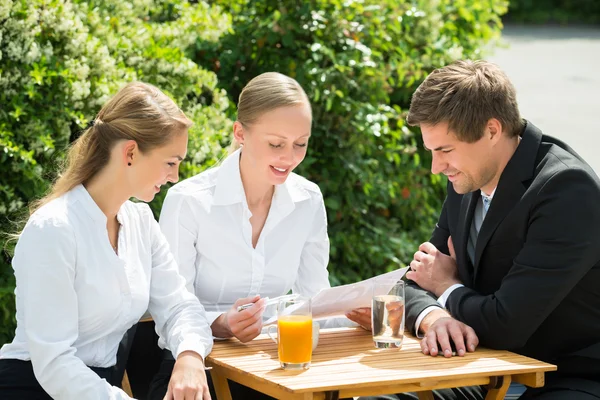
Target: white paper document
[{"x": 336, "y": 301}]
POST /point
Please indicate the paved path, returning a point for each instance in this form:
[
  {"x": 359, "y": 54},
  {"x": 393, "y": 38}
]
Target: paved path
[{"x": 556, "y": 71}]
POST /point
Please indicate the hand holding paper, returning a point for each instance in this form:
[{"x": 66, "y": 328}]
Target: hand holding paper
[{"x": 337, "y": 301}]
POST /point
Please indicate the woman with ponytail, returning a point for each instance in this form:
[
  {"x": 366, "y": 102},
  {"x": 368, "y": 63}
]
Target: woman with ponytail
[{"x": 89, "y": 262}]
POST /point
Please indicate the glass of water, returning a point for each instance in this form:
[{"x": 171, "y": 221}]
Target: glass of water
[{"x": 387, "y": 313}]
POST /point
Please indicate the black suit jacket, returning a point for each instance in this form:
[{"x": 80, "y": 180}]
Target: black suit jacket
[{"x": 535, "y": 285}]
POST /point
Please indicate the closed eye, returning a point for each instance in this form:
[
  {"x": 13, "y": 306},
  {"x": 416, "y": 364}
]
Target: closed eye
[
  {"x": 275, "y": 146},
  {"x": 301, "y": 144},
  {"x": 171, "y": 164}
]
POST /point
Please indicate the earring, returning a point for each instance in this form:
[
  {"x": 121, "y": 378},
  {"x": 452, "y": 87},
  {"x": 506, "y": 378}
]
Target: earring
[{"x": 129, "y": 164}]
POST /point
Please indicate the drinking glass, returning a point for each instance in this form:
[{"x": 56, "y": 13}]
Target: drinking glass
[
  {"x": 387, "y": 313},
  {"x": 294, "y": 333}
]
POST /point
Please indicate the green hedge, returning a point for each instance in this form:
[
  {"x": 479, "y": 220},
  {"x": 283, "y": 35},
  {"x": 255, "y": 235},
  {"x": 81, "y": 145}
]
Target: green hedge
[
  {"x": 554, "y": 11},
  {"x": 60, "y": 61},
  {"x": 360, "y": 63}
]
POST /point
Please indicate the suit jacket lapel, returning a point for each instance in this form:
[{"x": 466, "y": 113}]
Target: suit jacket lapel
[
  {"x": 510, "y": 188},
  {"x": 467, "y": 210},
  {"x": 507, "y": 195}
]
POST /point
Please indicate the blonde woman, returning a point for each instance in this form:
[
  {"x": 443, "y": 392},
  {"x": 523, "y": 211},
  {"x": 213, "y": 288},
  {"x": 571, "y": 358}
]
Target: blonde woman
[
  {"x": 89, "y": 262},
  {"x": 251, "y": 228}
]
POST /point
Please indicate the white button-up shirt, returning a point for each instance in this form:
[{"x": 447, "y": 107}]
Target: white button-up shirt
[
  {"x": 206, "y": 221},
  {"x": 76, "y": 298}
]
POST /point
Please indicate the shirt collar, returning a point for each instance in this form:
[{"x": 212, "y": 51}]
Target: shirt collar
[
  {"x": 491, "y": 196},
  {"x": 230, "y": 190},
  {"x": 81, "y": 195}
]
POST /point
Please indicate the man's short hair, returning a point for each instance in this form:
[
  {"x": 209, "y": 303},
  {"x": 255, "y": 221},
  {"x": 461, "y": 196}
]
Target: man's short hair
[{"x": 466, "y": 94}]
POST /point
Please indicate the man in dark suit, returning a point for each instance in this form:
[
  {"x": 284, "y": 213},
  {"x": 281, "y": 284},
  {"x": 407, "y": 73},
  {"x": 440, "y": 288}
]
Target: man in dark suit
[{"x": 514, "y": 260}]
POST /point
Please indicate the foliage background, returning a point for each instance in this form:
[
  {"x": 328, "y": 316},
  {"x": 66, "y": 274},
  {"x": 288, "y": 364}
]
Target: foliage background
[
  {"x": 359, "y": 62},
  {"x": 555, "y": 11}
]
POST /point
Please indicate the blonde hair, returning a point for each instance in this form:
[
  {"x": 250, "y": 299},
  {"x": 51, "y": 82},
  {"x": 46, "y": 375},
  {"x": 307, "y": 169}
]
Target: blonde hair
[
  {"x": 140, "y": 112},
  {"x": 265, "y": 93}
]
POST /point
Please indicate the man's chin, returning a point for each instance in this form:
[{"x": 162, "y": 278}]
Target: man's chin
[{"x": 461, "y": 189}]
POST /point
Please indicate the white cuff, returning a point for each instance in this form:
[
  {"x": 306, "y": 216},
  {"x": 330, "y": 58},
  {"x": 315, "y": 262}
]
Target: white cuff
[
  {"x": 422, "y": 316},
  {"x": 192, "y": 343},
  {"x": 444, "y": 297}
]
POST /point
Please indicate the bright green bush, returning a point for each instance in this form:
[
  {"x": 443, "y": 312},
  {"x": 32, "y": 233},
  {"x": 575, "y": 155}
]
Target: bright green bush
[
  {"x": 61, "y": 60},
  {"x": 359, "y": 61},
  {"x": 554, "y": 11}
]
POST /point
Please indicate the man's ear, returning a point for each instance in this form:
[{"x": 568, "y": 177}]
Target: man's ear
[{"x": 493, "y": 130}]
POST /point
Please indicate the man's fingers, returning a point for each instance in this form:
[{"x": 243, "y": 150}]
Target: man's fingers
[
  {"x": 424, "y": 346},
  {"x": 432, "y": 342},
  {"x": 169, "y": 395},
  {"x": 191, "y": 393},
  {"x": 414, "y": 264},
  {"x": 472, "y": 339},
  {"x": 177, "y": 394},
  {"x": 456, "y": 334},
  {"x": 428, "y": 248},
  {"x": 444, "y": 341},
  {"x": 451, "y": 248},
  {"x": 419, "y": 256},
  {"x": 203, "y": 394}
]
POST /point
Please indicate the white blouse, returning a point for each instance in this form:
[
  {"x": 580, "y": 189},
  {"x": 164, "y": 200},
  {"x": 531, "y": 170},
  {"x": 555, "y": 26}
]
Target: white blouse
[
  {"x": 207, "y": 223},
  {"x": 76, "y": 298}
]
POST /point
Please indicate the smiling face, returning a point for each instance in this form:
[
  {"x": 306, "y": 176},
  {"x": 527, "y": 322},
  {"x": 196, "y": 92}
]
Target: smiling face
[
  {"x": 469, "y": 166},
  {"x": 275, "y": 143},
  {"x": 156, "y": 167}
]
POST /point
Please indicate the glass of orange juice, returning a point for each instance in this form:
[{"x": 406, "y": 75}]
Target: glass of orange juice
[{"x": 294, "y": 333}]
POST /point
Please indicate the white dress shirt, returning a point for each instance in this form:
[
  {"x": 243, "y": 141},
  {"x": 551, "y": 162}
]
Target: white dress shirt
[
  {"x": 207, "y": 223},
  {"x": 76, "y": 298},
  {"x": 480, "y": 212}
]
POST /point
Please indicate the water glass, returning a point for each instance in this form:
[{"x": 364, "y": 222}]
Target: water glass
[{"x": 387, "y": 313}]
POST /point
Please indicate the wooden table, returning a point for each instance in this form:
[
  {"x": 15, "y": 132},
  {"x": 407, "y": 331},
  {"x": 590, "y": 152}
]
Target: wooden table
[{"x": 345, "y": 364}]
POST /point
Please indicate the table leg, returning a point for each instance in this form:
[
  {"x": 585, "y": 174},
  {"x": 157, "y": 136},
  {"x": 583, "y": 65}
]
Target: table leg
[
  {"x": 425, "y": 395},
  {"x": 221, "y": 385},
  {"x": 498, "y": 387}
]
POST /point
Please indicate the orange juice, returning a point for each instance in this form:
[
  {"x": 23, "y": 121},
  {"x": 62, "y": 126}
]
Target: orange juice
[{"x": 295, "y": 338}]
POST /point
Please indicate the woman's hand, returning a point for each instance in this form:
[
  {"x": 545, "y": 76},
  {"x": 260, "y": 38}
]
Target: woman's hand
[
  {"x": 244, "y": 325},
  {"x": 361, "y": 316},
  {"x": 188, "y": 380}
]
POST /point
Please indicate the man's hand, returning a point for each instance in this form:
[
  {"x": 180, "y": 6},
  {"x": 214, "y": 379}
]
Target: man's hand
[
  {"x": 244, "y": 325},
  {"x": 440, "y": 328},
  {"x": 433, "y": 270},
  {"x": 188, "y": 380}
]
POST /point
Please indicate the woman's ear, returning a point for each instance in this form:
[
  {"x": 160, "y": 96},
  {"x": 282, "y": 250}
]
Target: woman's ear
[
  {"x": 130, "y": 152},
  {"x": 239, "y": 132}
]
